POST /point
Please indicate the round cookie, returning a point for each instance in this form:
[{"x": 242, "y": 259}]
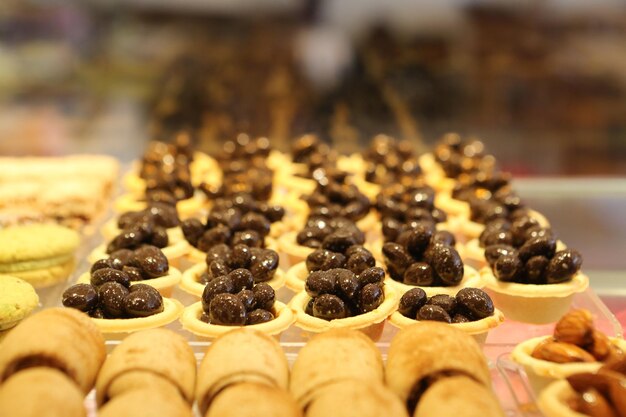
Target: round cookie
[
  {"x": 17, "y": 300},
  {"x": 41, "y": 254}
]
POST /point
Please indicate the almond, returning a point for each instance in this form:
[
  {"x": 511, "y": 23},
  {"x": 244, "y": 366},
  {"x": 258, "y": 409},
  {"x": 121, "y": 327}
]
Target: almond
[
  {"x": 601, "y": 346},
  {"x": 559, "y": 352},
  {"x": 576, "y": 327}
]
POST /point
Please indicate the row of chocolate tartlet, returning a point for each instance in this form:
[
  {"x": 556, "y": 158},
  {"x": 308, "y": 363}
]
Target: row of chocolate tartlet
[
  {"x": 417, "y": 270},
  {"x": 243, "y": 373}
]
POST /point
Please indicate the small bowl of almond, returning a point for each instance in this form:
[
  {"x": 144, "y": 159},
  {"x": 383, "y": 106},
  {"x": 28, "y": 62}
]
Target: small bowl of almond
[{"x": 575, "y": 347}]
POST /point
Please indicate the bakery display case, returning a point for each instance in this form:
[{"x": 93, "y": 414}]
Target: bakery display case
[{"x": 261, "y": 209}]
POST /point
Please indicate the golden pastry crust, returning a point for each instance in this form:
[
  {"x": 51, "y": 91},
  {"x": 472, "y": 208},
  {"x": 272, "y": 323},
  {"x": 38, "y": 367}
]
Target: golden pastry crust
[
  {"x": 578, "y": 283},
  {"x": 241, "y": 355},
  {"x": 146, "y": 403},
  {"x": 164, "y": 284},
  {"x": 522, "y": 354},
  {"x": 190, "y": 319},
  {"x": 252, "y": 400},
  {"x": 458, "y": 396},
  {"x": 334, "y": 356},
  {"x": 41, "y": 392},
  {"x": 172, "y": 309},
  {"x": 173, "y": 251},
  {"x": 60, "y": 328},
  {"x": 553, "y": 401},
  {"x": 477, "y": 327},
  {"x": 452, "y": 206},
  {"x": 289, "y": 246},
  {"x": 313, "y": 324},
  {"x": 471, "y": 279},
  {"x": 352, "y": 397},
  {"x": 410, "y": 359},
  {"x": 160, "y": 352},
  {"x": 189, "y": 282}
]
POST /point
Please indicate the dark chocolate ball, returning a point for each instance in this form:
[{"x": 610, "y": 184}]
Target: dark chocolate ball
[
  {"x": 508, "y": 268},
  {"x": 227, "y": 310},
  {"x": 447, "y": 302},
  {"x": 373, "y": 275},
  {"x": 411, "y": 301},
  {"x": 448, "y": 265},
  {"x": 143, "y": 301},
  {"x": 372, "y": 296},
  {"x": 563, "y": 266},
  {"x": 242, "y": 279},
  {"x": 83, "y": 297},
  {"x": 323, "y": 260},
  {"x": 151, "y": 261},
  {"x": 101, "y": 276},
  {"x": 419, "y": 273},
  {"x": 264, "y": 296},
  {"x": 239, "y": 257},
  {"x": 220, "y": 285},
  {"x": 474, "y": 303},
  {"x": 329, "y": 307},
  {"x": 111, "y": 295},
  {"x": 537, "y": 246},
  {"x": 320, "y": 282},
  {"x": 492, "y": 253},
  {"x": 259, "y": 316},
  {"x": 433, "y": 313}
]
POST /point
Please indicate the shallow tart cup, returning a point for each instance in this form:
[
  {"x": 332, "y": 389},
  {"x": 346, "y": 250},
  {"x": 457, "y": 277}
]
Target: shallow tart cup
[
  {"x": 533, "y": 303},
  {"x": 190, "y": 320},
  {"x": 478, "y": 329},
  {"x": 109, "y": 230},
  {"x": 113, "y": 329},
  {"x": 541, "y": 372},
  {"x": 472, "y": 230},
  {"x": 174, "y": 251},
  {"x": 554, "y": 400},
  {"x": 186, "y": 208},
  {"x": 474, "y": 255},
  {"x": 471, "y": 279},
  {"x": 371, "y": 323},
  {"x": 191, "y": 285},
  {"x": 294, "y": 252},
  {"x": 164, "y": 285}
]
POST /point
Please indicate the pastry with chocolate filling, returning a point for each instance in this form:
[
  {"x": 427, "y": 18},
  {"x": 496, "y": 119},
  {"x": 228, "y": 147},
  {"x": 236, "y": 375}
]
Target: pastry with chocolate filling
[
  {"x": 332, "y": 357},
  {"x": 151, "y": 358},
  {"x": 237, "y": 357},
  {"x": 61, "y": 329},
  {"x": 41, "y": 392}
]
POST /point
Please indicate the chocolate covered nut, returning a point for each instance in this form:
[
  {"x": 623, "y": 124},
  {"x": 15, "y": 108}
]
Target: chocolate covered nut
[
  {"x": 111, "y": 296},
  {"x": 358, "y": 262},
  {"x": 135, "y": 274},
  {"x": 259, "y": 316},
  {"x": 448, "y": 265},
  {"x": 339, "y": 240},
  {"x": 227, "y": 310},
  {"x": 250, "y": 238},
  {"x": 411, "y": 301},
  {"x": 371, "y": 297},
  {"x": 193, "y": 229},
  {"x": 219, "y": 252},
  {"x": 535, "y": 269},
  {"x": 446, "y": 302},
  {"x": 239, "y": 257},
  {"x": 372, "y": 275},
  {"x": 320, "y": 282},
  {"x": 242, "y": 279},
  {"x": 143, "y": 301},
  {"x": 220, "y": 285},
  {"x": 121, "y": 256},
  {"x": 104, "y": 275},
  {"x": 83, "y": 297},
  {"x": 395, "y": 254},
  {"x": 151, "y": 260},
  {"x": 264, "y": 267},
  {"x": 217, "y": 268},
  {"x": 159, "y": 237},
  {"x": 460, "y": 318},
  {"x": 495, "y": 237},
  {"x": 323, "y": 260},
  {"x": 537, "y": 246},
  {"x": 264, "y": 296},
  {"x": 419, "y": 273},
  {"x": 474, "y": 303},
  {"x": 125, "y": 240},
  {"x": 493, "y": 252},
  {"x": 247, "y": 298},
  {"x": 329, "y": 307},
  {"x": 215, "y": 236},
  {"x": 563, "y": 266},
  {"x": 433, "y": 313},
  {"x": 508, "y": 268},
  {"x": 256, "y": 222},
  {"x": 105, "y": 263},
  {"x": 348, "y": 284},
  {"x": 445, "y": 237},
  {"x": 419, "y": 239}
]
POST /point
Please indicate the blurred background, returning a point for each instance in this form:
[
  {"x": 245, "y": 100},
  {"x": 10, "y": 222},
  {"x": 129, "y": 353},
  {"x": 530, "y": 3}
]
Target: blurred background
[{"x": 543, "y": 83}]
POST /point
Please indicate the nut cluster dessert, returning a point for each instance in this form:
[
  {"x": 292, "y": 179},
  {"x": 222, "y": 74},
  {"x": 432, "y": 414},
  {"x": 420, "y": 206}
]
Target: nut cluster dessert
[
  {"x": 469, "y": 304},
  {"x": 424, "y": 256},
  {"x": 110, "y": 295},
  {"x": 388, "y": 161},
  {"x": 576, "y": 340}
]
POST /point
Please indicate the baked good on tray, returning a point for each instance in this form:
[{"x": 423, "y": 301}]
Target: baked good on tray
[
  {"x": 237, "y": 357},
  {"x": 250, "y": 399},
  {"x": 151, "y": 359},
  {"x": 598, "y": 393},
  {"x": 575, "y": 346},
  {"x": 60, "y": 328},
  {"x": 334, "y": 356},
  {"x": 71, "y": 190},
  {"x": 17, "y": 300},
  {"x": 146, "y": 402},
  {"x": 40, "y": 254},
  {"x": 471, "y": 311},
  {"x": 41, "y": 392},
  {"x": 425, "y": 356}
]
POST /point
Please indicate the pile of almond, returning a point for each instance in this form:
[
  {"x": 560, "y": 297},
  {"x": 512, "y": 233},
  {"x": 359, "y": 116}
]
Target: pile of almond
[{"x": 576, "y": 340}]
